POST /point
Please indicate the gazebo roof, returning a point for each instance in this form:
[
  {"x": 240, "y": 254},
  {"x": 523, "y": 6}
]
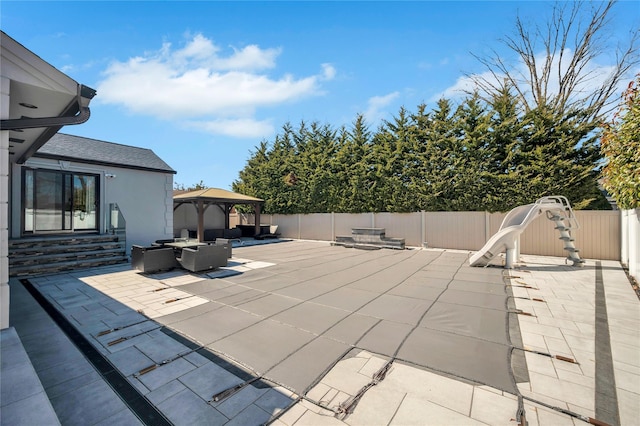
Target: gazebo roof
[{"x": 215, "y": 195}]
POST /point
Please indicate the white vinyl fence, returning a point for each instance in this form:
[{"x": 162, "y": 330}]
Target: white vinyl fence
[{"x": 599, "y": 236}]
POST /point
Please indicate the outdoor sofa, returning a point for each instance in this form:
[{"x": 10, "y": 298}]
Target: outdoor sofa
[
  {"x": 268, "y": 231},
  {"x": 152, "y": 259},
  {"x": 212, "y": 234},
  {"x": 203, "y": 257}
]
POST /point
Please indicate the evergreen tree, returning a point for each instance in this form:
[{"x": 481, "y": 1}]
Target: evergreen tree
[
  {"x": 478, "y": 156},
  {"x": 285, "y": 173},
  {"x": 505, "y": 183},
  {"x": 559, "y": 156},
  {"x": 317, "y": 149},
  {"x": 251, "y": 177},
  {"x": 473, "y": 153},
  {"x": 354, "y": 169},
  {"x": 442, "y": 155},
  {"x": 391, "y": 154},
  {"x": 621, "y": 147},
  {"x": 422, "y": 162}
]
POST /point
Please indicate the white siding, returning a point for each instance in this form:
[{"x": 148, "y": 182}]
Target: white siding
[{"x": 145, "y": 201}]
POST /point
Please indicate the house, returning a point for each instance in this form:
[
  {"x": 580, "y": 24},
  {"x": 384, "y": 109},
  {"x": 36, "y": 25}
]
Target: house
[
  {"x": 56, "y": 186},
  {"x": 83, "y": 180}
]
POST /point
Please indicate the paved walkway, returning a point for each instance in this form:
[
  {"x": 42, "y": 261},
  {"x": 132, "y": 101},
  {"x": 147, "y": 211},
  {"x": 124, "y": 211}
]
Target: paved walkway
[{"x": 305, "y": 333}]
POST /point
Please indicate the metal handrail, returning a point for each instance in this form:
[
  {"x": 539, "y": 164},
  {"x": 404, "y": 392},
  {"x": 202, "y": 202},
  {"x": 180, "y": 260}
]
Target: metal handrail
[
  {"x": 116, "y": 223},
  {"x": 566, "y": 207}
]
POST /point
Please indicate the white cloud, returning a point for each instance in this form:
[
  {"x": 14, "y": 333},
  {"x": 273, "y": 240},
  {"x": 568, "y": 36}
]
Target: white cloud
[
  {"x": 250, "y": 58},
  {"x": 239, "y": 128},
  {"x": 375, "y": 110},
  {"x": 198, "y": 81},
  {"x": 458, "y": 89},
  {"x": 328, "y": 71}
]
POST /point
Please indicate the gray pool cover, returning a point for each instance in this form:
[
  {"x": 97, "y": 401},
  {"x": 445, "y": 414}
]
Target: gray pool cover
[{"x": 292, "y": 321}]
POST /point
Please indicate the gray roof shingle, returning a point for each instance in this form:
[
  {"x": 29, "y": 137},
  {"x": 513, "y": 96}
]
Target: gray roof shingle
[{"x": 93, "y": 151}]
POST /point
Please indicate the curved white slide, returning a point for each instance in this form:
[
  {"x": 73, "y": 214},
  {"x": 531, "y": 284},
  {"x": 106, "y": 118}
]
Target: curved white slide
[{"x": 514, "y": 223}]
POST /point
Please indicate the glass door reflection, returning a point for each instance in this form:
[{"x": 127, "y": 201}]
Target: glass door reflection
[{"x": 56, "y": 201}]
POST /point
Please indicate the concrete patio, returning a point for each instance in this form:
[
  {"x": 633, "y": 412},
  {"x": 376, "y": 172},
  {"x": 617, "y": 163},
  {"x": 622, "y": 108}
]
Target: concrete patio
[{"x": 304, "y": 333}]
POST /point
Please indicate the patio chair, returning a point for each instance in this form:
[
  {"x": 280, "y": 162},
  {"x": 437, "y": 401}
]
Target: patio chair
[
  {"x": 203, "y": 258},
  {"x": 152, "y": 259},
  {"x": 272, "y": 233},
  {"x": 226, "y": 243}
]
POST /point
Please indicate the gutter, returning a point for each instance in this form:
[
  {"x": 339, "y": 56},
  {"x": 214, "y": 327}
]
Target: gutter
[
  {"x": 77, "y": 112},
  {"x": 81, "y": 105}
]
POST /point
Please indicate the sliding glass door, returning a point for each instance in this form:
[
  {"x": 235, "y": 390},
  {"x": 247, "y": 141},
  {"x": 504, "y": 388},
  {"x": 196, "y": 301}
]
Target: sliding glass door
[
  {"x": 85, "y": 202},
  {"x": 56, "y": 201}
]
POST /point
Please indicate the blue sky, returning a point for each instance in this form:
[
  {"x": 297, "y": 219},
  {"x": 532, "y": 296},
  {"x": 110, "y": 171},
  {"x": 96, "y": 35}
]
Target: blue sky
[{"x": 202, "y": 83}]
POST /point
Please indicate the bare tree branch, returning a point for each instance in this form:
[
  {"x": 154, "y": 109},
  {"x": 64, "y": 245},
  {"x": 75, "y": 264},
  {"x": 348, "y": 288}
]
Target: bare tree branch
[{"x": 562, "y": 73}]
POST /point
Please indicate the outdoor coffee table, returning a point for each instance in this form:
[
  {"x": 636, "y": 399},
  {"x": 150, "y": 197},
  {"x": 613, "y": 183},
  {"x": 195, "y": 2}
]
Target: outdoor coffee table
[{"x": 179, "y": 245}]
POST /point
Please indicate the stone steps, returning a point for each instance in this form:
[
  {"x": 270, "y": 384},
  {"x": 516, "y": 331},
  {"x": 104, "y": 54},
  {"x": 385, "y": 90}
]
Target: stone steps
[
  {"x": 47, "y": 255},
  {"x": 369, "y": 239}
]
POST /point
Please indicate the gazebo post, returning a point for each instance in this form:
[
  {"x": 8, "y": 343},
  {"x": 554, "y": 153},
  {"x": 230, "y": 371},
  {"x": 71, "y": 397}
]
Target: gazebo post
[
  {"x": 227, "y": 211},
  {"x": 257, "y": 210},
  {"x": 200, "y": 221}
]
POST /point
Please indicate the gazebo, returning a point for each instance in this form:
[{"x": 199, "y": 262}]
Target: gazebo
[{"x": 225, "y": 200}]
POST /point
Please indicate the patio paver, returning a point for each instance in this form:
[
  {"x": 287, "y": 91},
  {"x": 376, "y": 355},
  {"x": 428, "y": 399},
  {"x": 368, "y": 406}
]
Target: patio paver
[{"x": 322, "y": 319}]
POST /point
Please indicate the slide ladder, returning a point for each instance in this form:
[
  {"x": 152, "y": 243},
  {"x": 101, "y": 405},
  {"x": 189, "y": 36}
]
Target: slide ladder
[
  {"x": 556, "y": 208},
  {"x": 565, "y": 221}
]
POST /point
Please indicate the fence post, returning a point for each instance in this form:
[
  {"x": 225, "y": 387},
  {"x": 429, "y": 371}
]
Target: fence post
[
  {"x": 298, "y": 225},
  {"x": 333, "y": 227},
  {"x": 423, "y": 233},
  {"x": 633, "y": 244},
  {"x": 373, "y": 220},
  {"x": 625, "y": 216},
  {"x": 487, "y": 228}
]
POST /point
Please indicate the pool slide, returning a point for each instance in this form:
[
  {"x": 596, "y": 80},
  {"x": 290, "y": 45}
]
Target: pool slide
[{"x": 516, "y": 221}]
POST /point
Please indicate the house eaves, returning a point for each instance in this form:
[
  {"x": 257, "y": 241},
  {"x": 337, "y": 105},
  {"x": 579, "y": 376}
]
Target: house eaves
[{"x": 42, "y": 99}]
